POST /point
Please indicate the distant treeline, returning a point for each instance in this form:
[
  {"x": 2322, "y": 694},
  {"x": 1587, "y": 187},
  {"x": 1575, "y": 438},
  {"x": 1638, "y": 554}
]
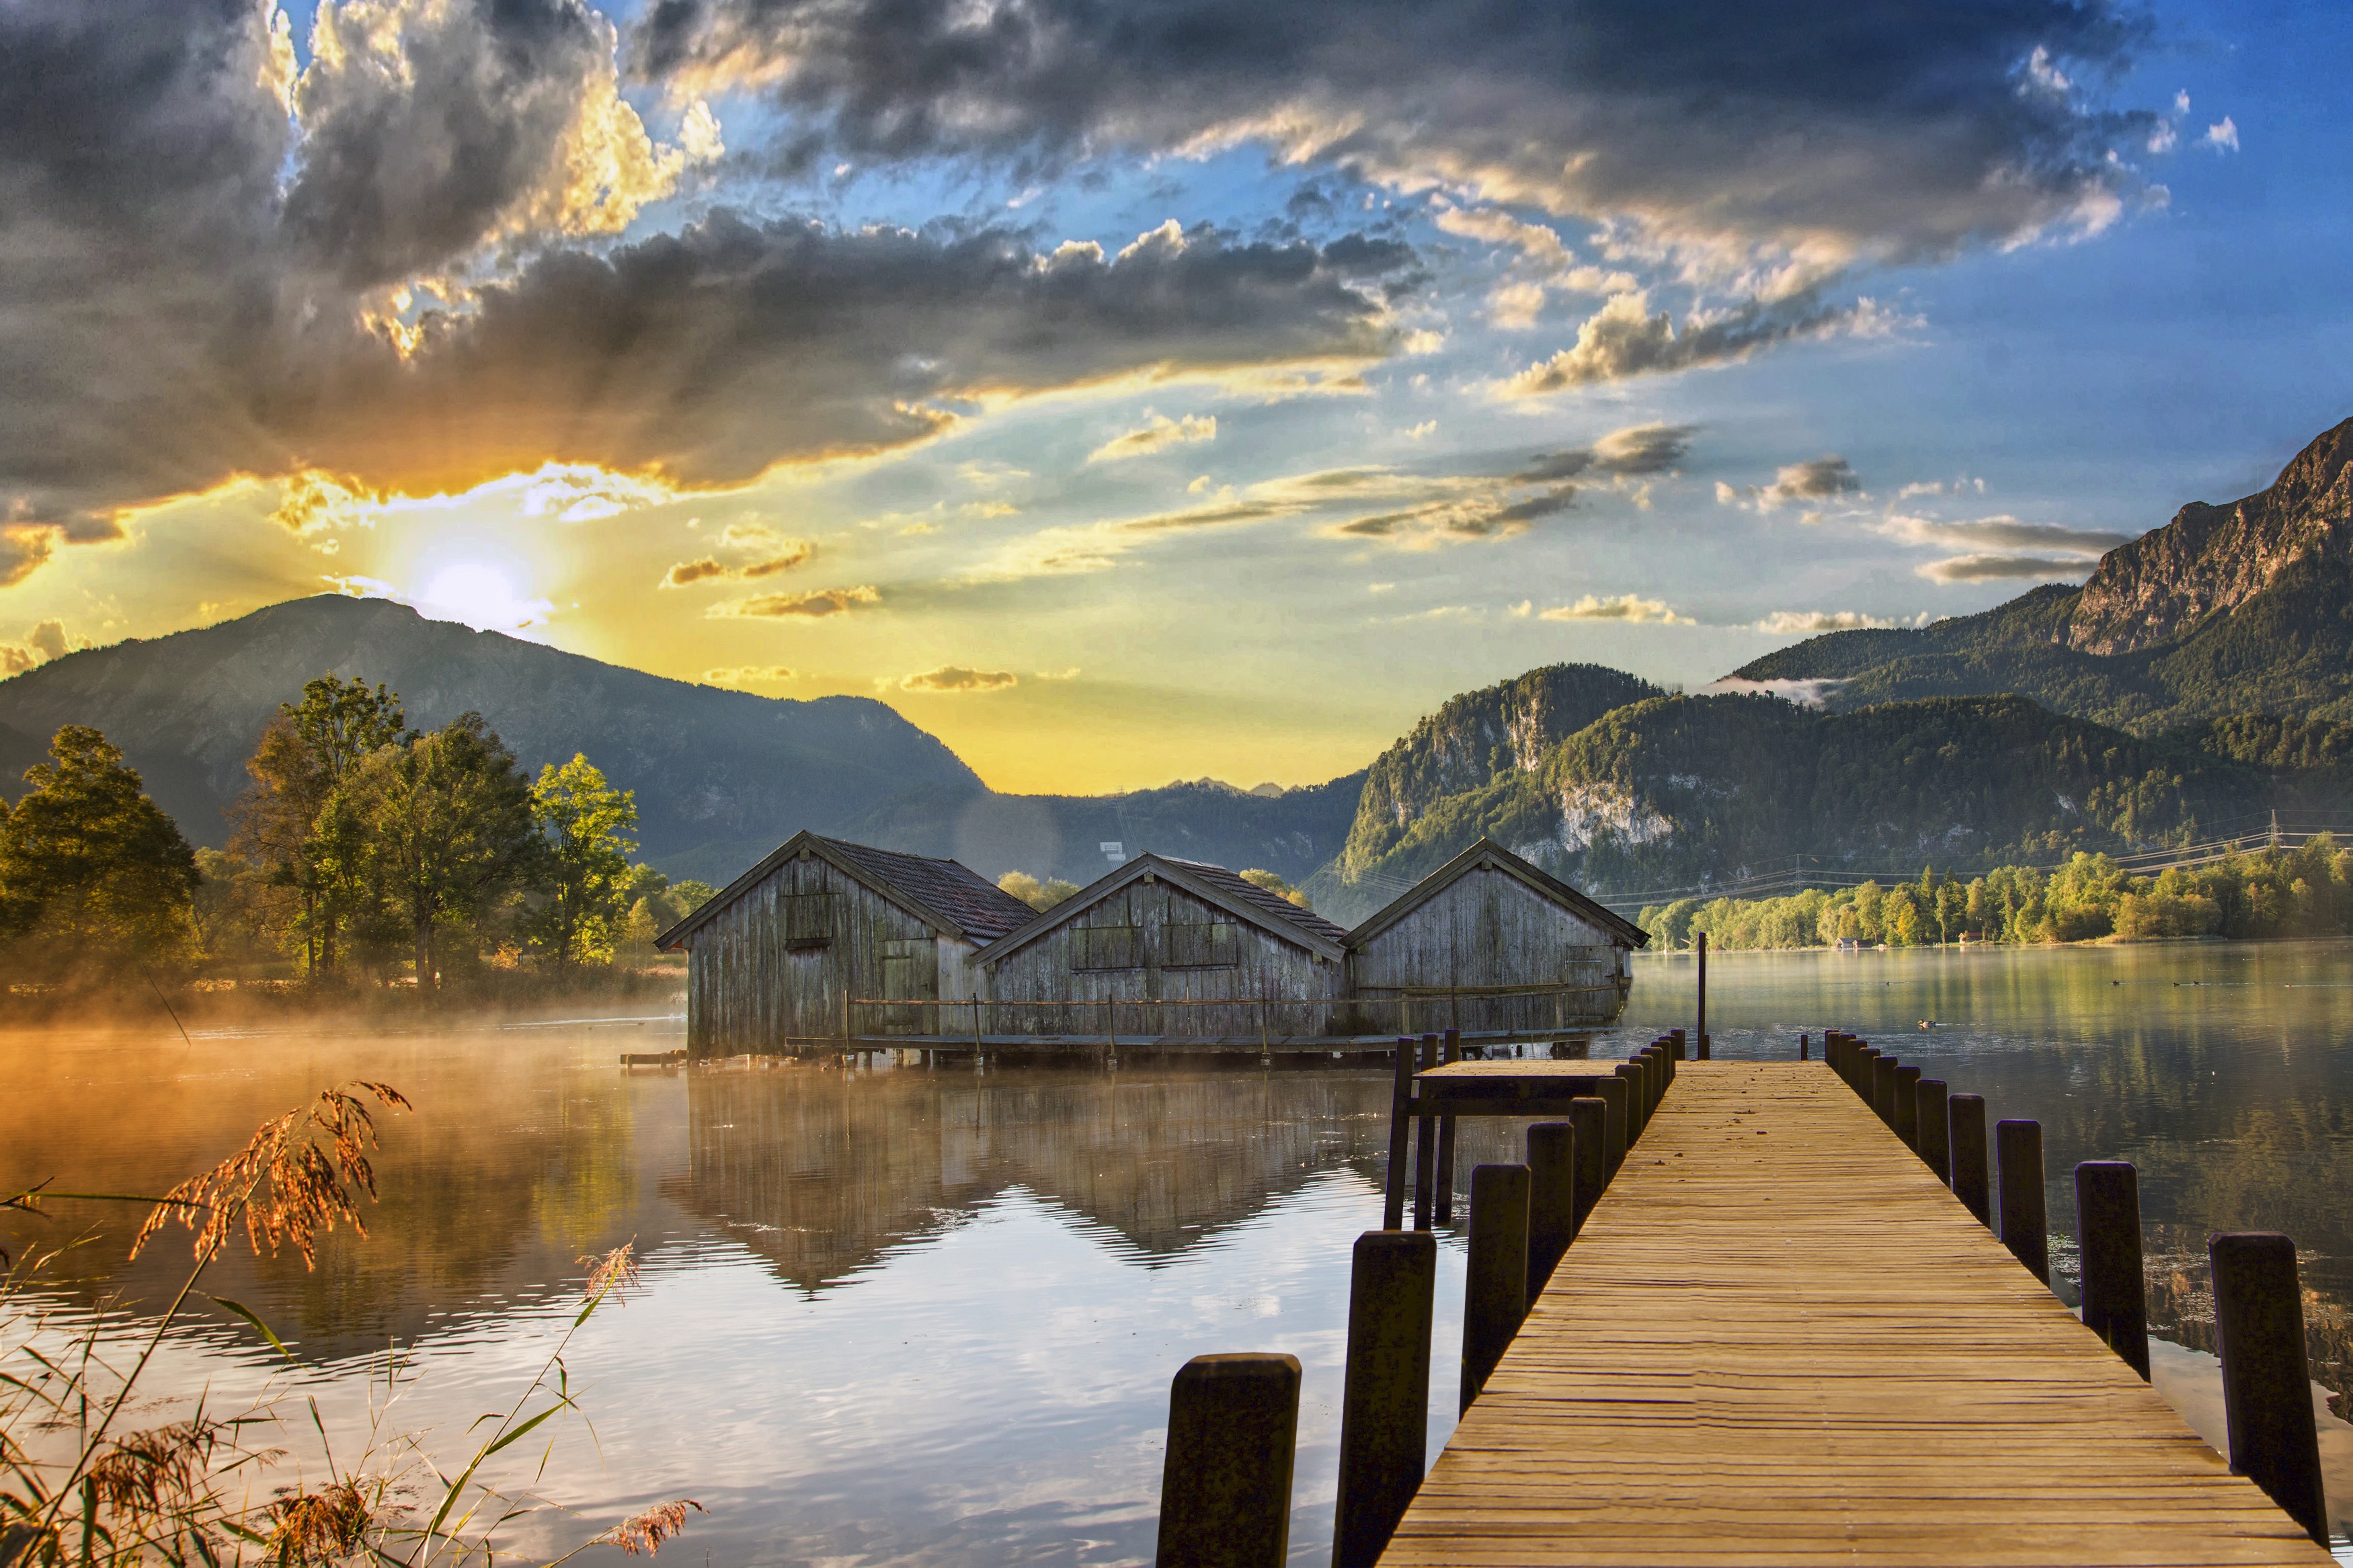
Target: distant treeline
[
  {"x": 363, "y": 853},
  {"x": 2267, "y": 894}
]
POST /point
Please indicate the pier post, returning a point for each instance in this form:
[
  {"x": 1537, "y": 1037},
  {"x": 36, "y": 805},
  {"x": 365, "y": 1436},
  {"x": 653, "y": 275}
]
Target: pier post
[
  {"x": 2266, "y": 1388},
  {"x": 1699, "y": 1025},
  {"x": 1225, "y": 1487},
  {"x": 1965, "y": 1114},
  {"x": 1802, "y": 1047},
  {"x": 1425, "y": 1145},
  {"x": 1864, "y": 1060},
  {"x": 1935, "y": 1134},
  {"x": 1400, "y": 1136},
  {"x": 1552, "y": 1199},
  {"x": 2018, "y": 1161},
  {"x": 2107, "y": 1234},
  {"x": 1449, "y": 1051},
  {"x": 1637, "y": 1100},
  {"x": 1384, "y": 1406},
  {"x": 1588, "y": 1118},
  {"x": 1616, "y": 1096},
  {"x": 1907, "y": 1105},
  {"x": 1496, "y": 1283},
  {"x": 1680, "y": 1044},
  {"x": 1882, "y": 1087}
]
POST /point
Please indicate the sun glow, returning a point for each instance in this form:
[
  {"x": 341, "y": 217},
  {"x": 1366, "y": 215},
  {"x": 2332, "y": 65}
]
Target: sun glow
[{"x": 481, "y": 595}]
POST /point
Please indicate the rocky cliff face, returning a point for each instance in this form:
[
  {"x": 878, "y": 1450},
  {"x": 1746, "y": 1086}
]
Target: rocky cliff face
[
  {"x": 2215, "y": 558},
  {"x": 1478, "y": 738}
]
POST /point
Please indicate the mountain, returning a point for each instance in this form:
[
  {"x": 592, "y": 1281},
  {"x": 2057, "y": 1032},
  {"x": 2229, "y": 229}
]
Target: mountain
[
  {"x": 706, "y": 763},
  {"x": 1675, "y": 790},
  {"x": 722, "y": 777},
  {"x": 2227, "y": 609}
]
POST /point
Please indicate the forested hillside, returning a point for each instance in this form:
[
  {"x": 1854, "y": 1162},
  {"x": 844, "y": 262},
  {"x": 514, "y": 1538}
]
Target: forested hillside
[{"x": 1672, "y": 790}]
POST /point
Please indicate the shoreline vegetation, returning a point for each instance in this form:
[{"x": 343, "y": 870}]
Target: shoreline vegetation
[
  {"x": 2259, "y": 895},
  {"x": 370, "y": 866}
]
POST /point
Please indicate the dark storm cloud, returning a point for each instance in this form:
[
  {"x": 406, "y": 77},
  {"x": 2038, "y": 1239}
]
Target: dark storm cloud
[
  {"x": 403, "y": 169},
  {"x": 189, "y": 286},
  {"x": 714, "y": 353},
  {"x": 1876, "y": 125}
]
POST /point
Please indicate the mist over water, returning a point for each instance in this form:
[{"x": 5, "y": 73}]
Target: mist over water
[{"x": 921, "y": 1315}]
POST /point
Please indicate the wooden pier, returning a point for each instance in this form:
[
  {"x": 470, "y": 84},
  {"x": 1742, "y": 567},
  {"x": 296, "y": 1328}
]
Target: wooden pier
[{"x": 1778, "y": 1339}]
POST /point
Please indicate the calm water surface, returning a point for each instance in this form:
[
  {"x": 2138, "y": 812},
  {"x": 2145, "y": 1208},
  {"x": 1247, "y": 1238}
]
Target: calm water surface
[{"x": 929, "y": 1315}]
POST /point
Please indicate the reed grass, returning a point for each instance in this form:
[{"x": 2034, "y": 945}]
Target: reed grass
[{"x": 77, "y": 1490}]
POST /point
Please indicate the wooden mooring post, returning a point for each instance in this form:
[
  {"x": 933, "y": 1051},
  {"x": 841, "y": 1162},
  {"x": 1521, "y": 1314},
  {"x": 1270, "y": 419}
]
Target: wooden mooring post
[
  {"x": 1450, "y": 1051},
  {"x": 1384, "y": 1401},
  {"x": 1907, "y": 1105},
  {"x": 1496, "y": 1283},
  {"x": 1965, "y": 1116},
  {"x": 2266, "y": 1386},
  {"x": 1400, "y": 1133},
  {"x": 2025, "y": 1228},
  {"x": 1225, "y": 1486},
  {"x": 1552, "y": 1199},
  {"x": 2107, "y": 1236},
  {"x": 1928, "y": 1115}
]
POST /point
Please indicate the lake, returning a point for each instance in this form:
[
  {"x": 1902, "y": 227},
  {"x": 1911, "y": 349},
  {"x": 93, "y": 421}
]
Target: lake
[{"x": 928, "y": 1315}]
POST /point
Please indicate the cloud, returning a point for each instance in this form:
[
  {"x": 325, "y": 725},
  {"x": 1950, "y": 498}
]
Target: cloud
[
  {"x": 1785, "y": 623},
  {"x": 1079, "y": 549},
  {"x": 397, "y": 269},
  {"x": 1991, "y": 568},
  {"x": 781, "y": 555},
  {"x": 813, "y": 605},
  {"x": 2003, "y": 533},
  {"x": 956, "y": 677},
  {"x": 1824, "y": 129},
  {"x": 750, "y": 675},
  {"x": 2222, "y": 138},
  {"x": 1820, "y": 478},
  {"x": 430, "y": 129},
  {"x": 1631, "y": 608},
  {"x": 1493, "y": 515},
  {"x": 46, "y": 641},
  {"x": 1158, "y": 433},
  {"x": 1626, "y": 339}
]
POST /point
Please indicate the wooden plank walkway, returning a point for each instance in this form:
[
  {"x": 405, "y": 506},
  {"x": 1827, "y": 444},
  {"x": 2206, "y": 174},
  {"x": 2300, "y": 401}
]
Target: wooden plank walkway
[{"x": 1780, "y": 1340}]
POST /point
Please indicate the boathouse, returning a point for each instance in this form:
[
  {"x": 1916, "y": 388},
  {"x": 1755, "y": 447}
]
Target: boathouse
[
  {"x": 1488, "y": 922},
  {"x": 1172, "y": 950},
  {"x": 823, "y": 937}
]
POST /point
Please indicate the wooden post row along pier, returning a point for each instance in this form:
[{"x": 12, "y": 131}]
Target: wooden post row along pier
[{"x": 1759, "y": 1321}]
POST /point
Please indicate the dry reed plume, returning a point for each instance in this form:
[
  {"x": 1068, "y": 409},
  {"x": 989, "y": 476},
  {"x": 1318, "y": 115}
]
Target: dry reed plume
[
  {"x": 309, "y": 1189},
  {"x": 325, "y": 1526},
  {"x": 644, "y": 1533}
]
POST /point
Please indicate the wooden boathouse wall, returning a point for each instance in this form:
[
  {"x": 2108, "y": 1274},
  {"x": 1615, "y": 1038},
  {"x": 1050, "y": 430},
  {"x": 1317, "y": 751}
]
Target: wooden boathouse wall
[
  {"x": 1150, "y": 941},
  {"x": 1490, "y": 927}
]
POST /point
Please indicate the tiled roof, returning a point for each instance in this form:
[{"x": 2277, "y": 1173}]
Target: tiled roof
[
  {"x": 1250, "y": 892},
  {"x": 985, "y": 910}
]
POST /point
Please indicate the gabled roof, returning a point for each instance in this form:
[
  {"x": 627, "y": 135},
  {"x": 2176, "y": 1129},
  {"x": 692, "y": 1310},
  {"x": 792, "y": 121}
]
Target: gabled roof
[
  {"x": 948, "y": 895},
  {"x": 1246, "y": 901},
  {"x": 1489, "y": 855}
]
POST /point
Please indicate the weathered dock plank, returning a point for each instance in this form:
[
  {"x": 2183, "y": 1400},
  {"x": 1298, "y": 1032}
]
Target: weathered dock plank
[{"x": 1780, "y": 1340}]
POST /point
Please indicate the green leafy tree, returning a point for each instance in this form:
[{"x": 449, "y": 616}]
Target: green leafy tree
[
  {"x": 449, "y": 828},
  {"x": 286, "y": 823},
  {"x": 95, "y": 879},
  {"x": 583, "y": 822},
  {"x": 1038, "y": 895}
]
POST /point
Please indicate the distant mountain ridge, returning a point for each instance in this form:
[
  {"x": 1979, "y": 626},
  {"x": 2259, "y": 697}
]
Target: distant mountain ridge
[
  {"x": 722, "y": 777},
  {"x": 706, "y": 763},
  {"x": 2241, "y": 608}
]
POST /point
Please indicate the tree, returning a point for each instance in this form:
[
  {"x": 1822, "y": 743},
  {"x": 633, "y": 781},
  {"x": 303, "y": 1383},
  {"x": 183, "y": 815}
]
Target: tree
[
  {"x": 582, "y": 820},
  {"x": 95, "y": 879},
  {"x": 1273, "y": 882},
  {"x": 1038, "y": 895},
  {"x": 449, "y": 826},
  {"x": 286, "y": 822}
]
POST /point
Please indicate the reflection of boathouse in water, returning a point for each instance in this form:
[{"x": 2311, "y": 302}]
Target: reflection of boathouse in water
[{"x": 829, "y": 942}]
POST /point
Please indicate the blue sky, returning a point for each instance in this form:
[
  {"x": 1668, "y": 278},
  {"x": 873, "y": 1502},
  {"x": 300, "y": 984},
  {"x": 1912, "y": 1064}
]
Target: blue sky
[{"x": 1376, "y": 409}]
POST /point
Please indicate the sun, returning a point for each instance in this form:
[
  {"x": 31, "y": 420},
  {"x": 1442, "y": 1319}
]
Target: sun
[{"x": 483, "y": 597}]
